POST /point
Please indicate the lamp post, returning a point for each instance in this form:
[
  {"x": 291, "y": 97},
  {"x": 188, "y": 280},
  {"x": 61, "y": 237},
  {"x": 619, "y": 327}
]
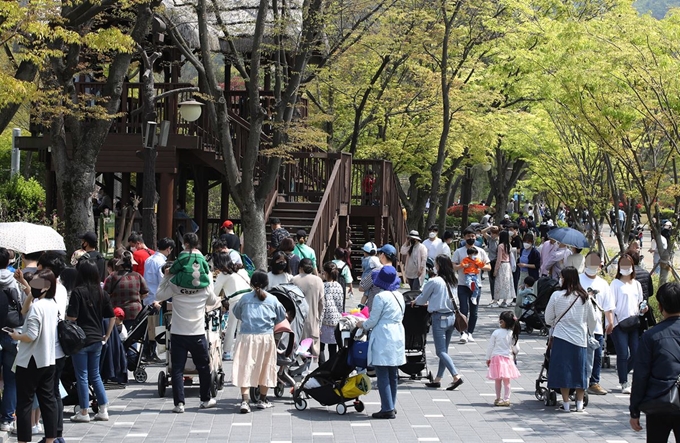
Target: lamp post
[{"x": 190, "y": 110}]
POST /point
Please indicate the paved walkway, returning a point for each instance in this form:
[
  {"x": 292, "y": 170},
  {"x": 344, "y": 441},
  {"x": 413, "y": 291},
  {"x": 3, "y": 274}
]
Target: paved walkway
[{"x": 425, "y": 415}]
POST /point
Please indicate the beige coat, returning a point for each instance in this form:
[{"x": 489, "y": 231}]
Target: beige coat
[
  {"x": 312, "y": 287},
  {"x": 415, "y": 263}
]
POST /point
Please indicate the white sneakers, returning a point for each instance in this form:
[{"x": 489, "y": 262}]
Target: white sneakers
[
  {"x": 264, "y": 404},
  {"x": 80, "y": 418},
  {"x": 208, "y": 404},
  {"x": 103, "y": 414},
  {"x": 463, "y": 338},
  {"x": 245, "y": 407},
  {"x": 37, "y": 429},
  {"x": 179, "y": 409},
  {"x": 625, "y": 388},
  {"x": 470, "y": 339}
]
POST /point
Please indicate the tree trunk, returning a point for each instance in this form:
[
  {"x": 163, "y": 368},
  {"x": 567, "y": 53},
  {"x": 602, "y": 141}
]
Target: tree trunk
[
  {"x": 75, "y": 181},
  {"x": 254, "y": 232},
  {"x": 149, "y": 228}
]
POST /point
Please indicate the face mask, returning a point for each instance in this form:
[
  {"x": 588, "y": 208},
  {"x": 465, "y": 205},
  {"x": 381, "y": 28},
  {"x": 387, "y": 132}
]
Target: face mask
[
  {"x": 83, "y": 246},
  {"x": 527, "y": 245},
  {"x": 474, "y": 257},
  {"x": 278, "y": 267},
  {"x": 133, "y": 248},
  {"x": 36, "y": 293},
  {"x": 626, "y": 271},
  {"x": 432, "y": 235},
  {"x": 470, "y": 241},
  {"x": 592, "y": 270}
]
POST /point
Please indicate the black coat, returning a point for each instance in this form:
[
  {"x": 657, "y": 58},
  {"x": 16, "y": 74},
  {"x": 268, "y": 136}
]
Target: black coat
[
  {"x": 645, "y": 279},
  {"x": 657, "y": 365}
]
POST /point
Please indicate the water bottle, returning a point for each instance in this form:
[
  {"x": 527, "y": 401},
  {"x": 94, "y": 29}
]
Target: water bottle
[{"x": 643, "y": 305}]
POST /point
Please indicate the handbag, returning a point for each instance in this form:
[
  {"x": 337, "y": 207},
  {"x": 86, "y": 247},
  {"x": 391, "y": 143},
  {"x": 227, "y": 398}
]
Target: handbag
[
  {"x": 460, "y": 321},
  {"x": 71, "y": 336},
  {"x": 668, "y": 403},
  {"x": 629, "y": 324}
]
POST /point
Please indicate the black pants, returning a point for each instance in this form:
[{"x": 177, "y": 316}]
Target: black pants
[
  {"x": 58, "y": 369},
  {"x": 39, "y": 382},
  {"x": 332, "y": 351},
  {"x": 659, "y": 427},
  {"x": 180, "y": 345}
]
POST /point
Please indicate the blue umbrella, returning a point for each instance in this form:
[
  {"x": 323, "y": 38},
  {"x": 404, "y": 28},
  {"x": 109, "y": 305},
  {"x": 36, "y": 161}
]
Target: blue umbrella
[{"x": 569, "y": 237}]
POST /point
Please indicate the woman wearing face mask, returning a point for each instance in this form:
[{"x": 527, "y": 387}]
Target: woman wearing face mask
[
  {"x": 280, "y": 273},
  {"x": 529, "y": 259},
  {"x": 504, "y": 289},
  {"x": 627, "y": 293},
  {"x": 334, "y": 296}
]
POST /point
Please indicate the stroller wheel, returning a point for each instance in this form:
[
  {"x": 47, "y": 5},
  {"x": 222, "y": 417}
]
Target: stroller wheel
[
  {"x": 254, "y": 393},
  {"x": 359, "y": 406},
  {"x": 140, "y": 375},
  {"x": 429, "y": 376},
  {"x": 76, "y": 409},
  {"x": 585, "y": 399},
  {"x": 278, "y": 390},
  {"x": 94, "y": 406},
  {"x": 220, "y": 384},
  {"x": 529, "y": 329},
  {"x": 162, "y": 384},
  {"x": 301, "y": 404},
  {"x": 341, "y": 409},
  {"x": 553, "y": 398},
  {"x": 540, "y": 393},
  {"x": 544, "y": 332},
  {"x": 213, "y": 384}
]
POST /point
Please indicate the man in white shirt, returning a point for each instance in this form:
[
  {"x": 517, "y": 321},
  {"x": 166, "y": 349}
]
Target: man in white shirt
[
  {"x": 153, "y": 275},
  {"x": 433, "y": 243},
  {"x": 591, "y": 280},
  {"x": 468, "y": 304}
]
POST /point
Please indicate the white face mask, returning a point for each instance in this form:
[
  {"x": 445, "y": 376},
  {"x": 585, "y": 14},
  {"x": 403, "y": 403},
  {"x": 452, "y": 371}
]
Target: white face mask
[
  {"x": 626, "y": 271},
  {"x": 432, "y": 235},
  {"x": 592, "y": 270},
  {"x": 527, "y": 245}
]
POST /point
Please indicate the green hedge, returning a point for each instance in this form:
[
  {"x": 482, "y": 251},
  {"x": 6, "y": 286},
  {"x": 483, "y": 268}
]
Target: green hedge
[{"x": 22, "y": 200}]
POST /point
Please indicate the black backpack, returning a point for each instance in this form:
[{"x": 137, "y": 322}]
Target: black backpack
[{"x": 10, "y": 308}]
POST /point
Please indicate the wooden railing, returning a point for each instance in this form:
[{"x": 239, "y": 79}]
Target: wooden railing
[
  {"x": 306, "y": 176},
  {"x": 336, "y": 200},
  {"x": 393, "y": 202}
]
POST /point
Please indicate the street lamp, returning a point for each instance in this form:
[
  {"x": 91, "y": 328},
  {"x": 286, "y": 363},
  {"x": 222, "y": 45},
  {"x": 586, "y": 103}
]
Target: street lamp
[{"x": 190, "y": 110}]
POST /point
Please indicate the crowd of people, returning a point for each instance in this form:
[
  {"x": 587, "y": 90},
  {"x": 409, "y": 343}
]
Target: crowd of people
[{"x": 99, "y": 295}]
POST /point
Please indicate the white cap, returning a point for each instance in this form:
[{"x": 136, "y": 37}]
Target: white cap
[{"x": 369, "y": 247}]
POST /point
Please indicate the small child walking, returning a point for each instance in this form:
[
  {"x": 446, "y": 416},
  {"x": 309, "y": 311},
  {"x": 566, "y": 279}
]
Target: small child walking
[{"x": 500, "y": 353}]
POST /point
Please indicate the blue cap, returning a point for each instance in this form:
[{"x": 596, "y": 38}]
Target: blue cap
[{"x": 388, "y": 249}]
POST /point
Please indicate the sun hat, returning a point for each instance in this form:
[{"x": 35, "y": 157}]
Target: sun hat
[
  {"x": 369, "y": 247},
  {"x": 387, "y": 278},
  {"x": 388, "y": 250},
  {"x": 414, "y": 235}
]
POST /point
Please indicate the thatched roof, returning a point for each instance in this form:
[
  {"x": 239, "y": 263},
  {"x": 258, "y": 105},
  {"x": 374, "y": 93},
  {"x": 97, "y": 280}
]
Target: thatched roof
[{"x": 239, "y": 17}]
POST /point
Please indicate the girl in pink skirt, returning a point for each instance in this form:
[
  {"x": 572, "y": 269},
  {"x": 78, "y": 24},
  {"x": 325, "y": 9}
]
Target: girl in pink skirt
[{"x": 500, "y": 355}]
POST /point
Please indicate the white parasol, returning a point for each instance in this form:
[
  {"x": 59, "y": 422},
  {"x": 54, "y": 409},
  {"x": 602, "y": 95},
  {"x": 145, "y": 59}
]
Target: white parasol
[{"x": 27, "y": 238}]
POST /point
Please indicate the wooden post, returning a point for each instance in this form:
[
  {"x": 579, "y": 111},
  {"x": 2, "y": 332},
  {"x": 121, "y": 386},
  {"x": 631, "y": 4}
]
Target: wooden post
[
  {"x": 378, "y": 234},
  {"x": 224, "y": 200},
  {"x": 166, "y": 205},
  {"x": 201, "y": 205}
]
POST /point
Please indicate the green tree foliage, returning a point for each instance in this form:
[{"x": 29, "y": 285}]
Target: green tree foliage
[{"x": 22, "y": 200}]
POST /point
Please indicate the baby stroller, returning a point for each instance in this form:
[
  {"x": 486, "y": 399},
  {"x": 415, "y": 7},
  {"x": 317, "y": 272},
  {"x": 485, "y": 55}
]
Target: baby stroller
[
  {"x": 549, "y": 396},
  {"x": 533, "y": 313},
  {"x": 134, "y": 344},
  {"x": 331, "y": 384},
  {"x": 417, "y": 321},
  {"x": 292, "y": 361},
  {"x": 213, "y": 333},
  {"x": 68, "y": 381}
]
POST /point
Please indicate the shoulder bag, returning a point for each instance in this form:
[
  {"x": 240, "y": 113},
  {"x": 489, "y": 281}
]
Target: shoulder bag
[
  {"x": 550, "y": 339},
  {"x": 461, "y": 321},
  {"x": 668, "y": 403},
  {"x": 629, "y": 324},
  {"x": 71, "y": 336}
]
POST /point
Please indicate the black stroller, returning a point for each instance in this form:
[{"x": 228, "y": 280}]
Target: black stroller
[
  {"x": 134, "y": 344},
  {"x": 417, "y": 321},
  {"x": 549, "y": 396},
  {"x": 533, "y": 313}
]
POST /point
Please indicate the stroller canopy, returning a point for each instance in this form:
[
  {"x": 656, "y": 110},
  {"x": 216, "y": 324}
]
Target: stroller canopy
[{"x": 293, "y": 300}]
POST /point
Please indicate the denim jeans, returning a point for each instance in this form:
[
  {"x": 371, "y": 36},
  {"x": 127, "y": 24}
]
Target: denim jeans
[
  {"x": 597, "y": 360},
  {"x": 9, "y": 395},
  {"x": 467, "y": 307},
  {"x": 387, "y": 386},
  {"x": 180, "y": 345},
  {"x": 414, "y": 284},
  {"x": 442, "y": 338},
  {"x": 86, "y": 366},
  {"x": 623, "y": 341}
]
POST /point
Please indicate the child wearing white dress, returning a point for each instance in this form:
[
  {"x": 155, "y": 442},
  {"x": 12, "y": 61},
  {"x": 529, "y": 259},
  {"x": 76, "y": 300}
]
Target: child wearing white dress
[{"x": 500, "y": 353}]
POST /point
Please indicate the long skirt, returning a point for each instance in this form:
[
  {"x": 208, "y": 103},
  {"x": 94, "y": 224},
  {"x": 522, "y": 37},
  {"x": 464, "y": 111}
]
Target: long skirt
[
  {"x": 504, "y": 288},
  {"x": 254, "y": 361},
  {"x": 568, "y": 368}
]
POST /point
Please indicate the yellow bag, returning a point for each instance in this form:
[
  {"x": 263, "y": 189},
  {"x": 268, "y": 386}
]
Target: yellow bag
[{"x": 356, "y": 386}]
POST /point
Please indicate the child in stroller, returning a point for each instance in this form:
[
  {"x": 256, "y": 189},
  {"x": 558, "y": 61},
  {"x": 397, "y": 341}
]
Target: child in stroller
[{"x": 533, "y": 315}]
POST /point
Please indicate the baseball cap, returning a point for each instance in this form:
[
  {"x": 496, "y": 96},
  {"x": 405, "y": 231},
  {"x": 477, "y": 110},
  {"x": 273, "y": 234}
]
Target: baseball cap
[
  {"x": 118, "y": 312},
  {"x": 388, "y": 250},
  {"x": 370, "y": 247},
  {"x": 90, "y": 237},
  {"x": 228, "y": 224},
  {"x": 301, "y": 233}
]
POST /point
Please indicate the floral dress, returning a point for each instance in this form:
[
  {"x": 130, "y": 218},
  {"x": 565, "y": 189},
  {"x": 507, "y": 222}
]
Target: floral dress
[{"x": 332, "y": 311}]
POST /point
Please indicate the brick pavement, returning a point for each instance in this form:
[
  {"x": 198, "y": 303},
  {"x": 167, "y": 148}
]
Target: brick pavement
[{"x": 425, "y": 415}]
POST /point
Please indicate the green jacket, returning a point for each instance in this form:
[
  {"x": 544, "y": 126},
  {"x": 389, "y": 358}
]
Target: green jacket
[{"x": 304, "y": 251}]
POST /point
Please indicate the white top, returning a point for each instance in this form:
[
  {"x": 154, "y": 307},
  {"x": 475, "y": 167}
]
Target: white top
[
  {"x": 500, "y": 343},
  {"x": 231, "y": 284},
  {"x": 446, "y": 249},
  {"x": 575, "y": 324},
  {"x": 434, "y": 247},
  {"x": 655, "y": 249},
  {"x": 61, "y": 297},
  {"x": 278, "y": 279},
  {"x": 577, "y": 261},
  {"x": 188, "y": 306},
  {"x": 604, "y": 297},
  {"x": 627, "y": 299},
  {"x": 41, "y": 327},
  {"x": 461, "y": 253}
]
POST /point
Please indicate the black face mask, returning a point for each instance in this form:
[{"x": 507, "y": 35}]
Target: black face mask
[
  {"x": 278, "y": 268},
  {"x": 470, "y": 241},
  {"x": 83, "y": 246},
  {"x": 36, "y": 293}
]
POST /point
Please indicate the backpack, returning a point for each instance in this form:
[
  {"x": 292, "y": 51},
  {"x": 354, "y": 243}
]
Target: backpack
[
  {"x": 71, "y": 336},
  {"x": 248, "y": 265},
  {"x": 13, "y": 317},
  {"x": 523, "y": 225}
]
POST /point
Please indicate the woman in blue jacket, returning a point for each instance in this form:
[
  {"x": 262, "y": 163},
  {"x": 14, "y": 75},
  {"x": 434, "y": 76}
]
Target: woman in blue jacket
[
  {"x": 528, "y": 260},
  {"x": 386, "y": 344},
  {"x": 255, "y": 350}
]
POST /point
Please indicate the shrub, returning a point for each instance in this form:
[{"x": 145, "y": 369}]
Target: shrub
[
  {"x": 667, "y": 214},
  {"x": 475, "y": 212},
  {"x": 22, "y": 200}
]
